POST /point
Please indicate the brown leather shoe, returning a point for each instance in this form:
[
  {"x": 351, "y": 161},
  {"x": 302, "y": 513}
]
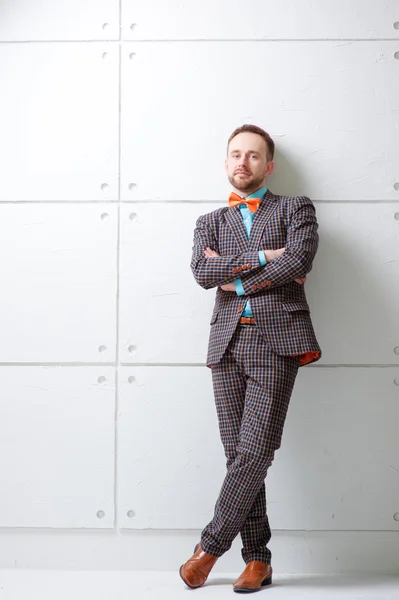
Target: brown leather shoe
[
  {"x": 255, "y": 575},
  {"x": 196, "y": 570}
]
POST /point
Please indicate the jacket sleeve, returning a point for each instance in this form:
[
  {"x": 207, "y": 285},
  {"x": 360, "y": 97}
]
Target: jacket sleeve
[
  {"x": 211, "y": 272},
  {"x": 300, "y": 250},
  {"x": 238, "y": 283}
]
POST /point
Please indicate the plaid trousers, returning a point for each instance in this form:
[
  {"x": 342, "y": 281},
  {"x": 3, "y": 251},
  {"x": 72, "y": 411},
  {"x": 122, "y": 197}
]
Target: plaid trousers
[{"x": 252, "y": 389}]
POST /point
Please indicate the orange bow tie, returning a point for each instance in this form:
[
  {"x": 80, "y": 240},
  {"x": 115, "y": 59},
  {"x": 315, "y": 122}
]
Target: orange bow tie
[{"x": 252, "y": 203}]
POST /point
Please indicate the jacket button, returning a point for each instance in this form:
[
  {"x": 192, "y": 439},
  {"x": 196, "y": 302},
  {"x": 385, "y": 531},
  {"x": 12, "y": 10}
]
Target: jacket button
[
  {"x": 249, "y": 266},
  {"x": 254, "y": 287},
  {"x": 240, "y": 308},
  {"x": 268, "y": 282}
]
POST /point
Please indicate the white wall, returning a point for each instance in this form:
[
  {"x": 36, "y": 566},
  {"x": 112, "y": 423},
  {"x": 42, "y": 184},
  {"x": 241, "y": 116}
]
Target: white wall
[{"x": 114, "y": 121}]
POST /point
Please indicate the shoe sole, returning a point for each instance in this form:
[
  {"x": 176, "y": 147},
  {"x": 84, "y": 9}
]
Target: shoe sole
[
  {"x": 193, "y": 587},
  {"x": 267, "y": 581}
]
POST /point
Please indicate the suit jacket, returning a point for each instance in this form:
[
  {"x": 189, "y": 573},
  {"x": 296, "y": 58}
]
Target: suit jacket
[{"x": 278, "y": 303}]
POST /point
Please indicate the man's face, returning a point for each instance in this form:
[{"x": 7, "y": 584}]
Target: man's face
[{"x": 247, "y": 164}]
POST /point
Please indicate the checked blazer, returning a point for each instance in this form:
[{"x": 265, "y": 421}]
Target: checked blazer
[{"x": 278, "y": 303}]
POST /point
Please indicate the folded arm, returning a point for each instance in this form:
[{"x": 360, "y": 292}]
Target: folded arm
[
  {"x": 219, "y": 270},
  {"x": 300, "y": 250}
]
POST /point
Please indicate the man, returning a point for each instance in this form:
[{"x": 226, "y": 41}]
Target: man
[{"x": 257, "y": 251}]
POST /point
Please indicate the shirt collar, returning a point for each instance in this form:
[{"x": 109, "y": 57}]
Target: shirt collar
[{"x": 259, "y": 193}]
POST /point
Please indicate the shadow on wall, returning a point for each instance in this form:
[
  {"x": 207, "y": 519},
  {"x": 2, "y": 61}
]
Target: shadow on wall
[
  {"x": 339, "y": 450},
  {"x": 287, "y": 179},
  {"x": 351, "y": 288},
  {"x": 339, "y": 454}
]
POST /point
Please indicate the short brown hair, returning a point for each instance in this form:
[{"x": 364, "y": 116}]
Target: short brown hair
[{"x": 259, "y": 131}]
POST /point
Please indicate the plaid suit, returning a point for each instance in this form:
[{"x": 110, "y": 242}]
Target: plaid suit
[
  {"x": 278, "y": 304},
  {"x": 254, "y": 366}
]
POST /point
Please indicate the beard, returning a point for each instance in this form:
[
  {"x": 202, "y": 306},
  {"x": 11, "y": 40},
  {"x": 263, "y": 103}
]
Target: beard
[{"x": 248, "y": 184}]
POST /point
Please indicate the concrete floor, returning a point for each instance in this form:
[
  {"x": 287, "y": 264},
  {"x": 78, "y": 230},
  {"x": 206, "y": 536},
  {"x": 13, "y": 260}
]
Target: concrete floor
[{"x": 148, "y": 585}]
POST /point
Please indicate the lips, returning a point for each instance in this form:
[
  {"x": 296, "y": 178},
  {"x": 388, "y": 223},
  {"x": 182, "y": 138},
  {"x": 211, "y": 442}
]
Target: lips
[{"x": 241, "y": 173}]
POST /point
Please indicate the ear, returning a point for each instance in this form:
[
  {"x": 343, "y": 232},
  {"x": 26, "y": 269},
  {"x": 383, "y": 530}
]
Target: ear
[{"x": 269, "y": 168}]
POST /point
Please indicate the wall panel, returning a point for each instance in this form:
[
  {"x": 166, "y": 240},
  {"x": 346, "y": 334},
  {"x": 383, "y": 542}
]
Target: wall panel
[
  {"x": 330, "y": 107},
  {"x": 57, "y": 447},
  {"x": 58, "y": 274},
  {"x": 337, "y": 468},
  {"x": 59, "y": 122},
  {"x": 53, "y": 20},
  {"x": 259, "y": 19}
]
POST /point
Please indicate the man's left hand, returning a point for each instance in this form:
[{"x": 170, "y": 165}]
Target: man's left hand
[{"x": 229, "y": 287}]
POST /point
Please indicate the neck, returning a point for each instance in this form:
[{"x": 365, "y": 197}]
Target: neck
[{"x": 248, "y": 192}]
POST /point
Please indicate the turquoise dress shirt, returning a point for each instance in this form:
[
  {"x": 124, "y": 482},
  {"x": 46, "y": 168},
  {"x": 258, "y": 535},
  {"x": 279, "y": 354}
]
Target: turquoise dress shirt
[{"x": 248, "y": 217}]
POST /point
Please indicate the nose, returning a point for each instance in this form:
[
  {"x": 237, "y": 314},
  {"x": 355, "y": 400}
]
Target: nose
[{"x": 243, "y": 163}]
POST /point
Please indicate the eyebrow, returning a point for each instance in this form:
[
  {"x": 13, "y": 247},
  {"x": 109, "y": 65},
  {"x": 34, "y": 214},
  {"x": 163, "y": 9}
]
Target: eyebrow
[{"x": 249, "y": 151}]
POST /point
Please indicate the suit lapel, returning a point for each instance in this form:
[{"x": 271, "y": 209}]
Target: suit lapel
[
  {"x": 266, "y": 208},
  {"x": 234, "y": 220}
]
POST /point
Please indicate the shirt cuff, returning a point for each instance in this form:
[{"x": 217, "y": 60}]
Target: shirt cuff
[
  {"x": 239, "y": 288},
  {"x": 262, "y": 258}
]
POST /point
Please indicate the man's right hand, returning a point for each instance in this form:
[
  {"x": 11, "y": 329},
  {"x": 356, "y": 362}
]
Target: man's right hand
[{"x": 272, "y": 254}]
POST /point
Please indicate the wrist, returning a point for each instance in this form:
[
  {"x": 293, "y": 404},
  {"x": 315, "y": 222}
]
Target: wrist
[{"x": 238, "y": 287}]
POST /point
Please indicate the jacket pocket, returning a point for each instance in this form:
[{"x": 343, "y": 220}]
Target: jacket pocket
[
  {"x": 293, "y": 306},
  {"x": 214, "y": 318}
]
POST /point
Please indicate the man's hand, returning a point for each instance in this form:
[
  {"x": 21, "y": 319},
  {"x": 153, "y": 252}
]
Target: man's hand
[
  {"x": 229, "y": 287},
  {"x": 269, "y": 254},
  {"x": 210, "y": 253},
  {"x": 272, "y": 254}
]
